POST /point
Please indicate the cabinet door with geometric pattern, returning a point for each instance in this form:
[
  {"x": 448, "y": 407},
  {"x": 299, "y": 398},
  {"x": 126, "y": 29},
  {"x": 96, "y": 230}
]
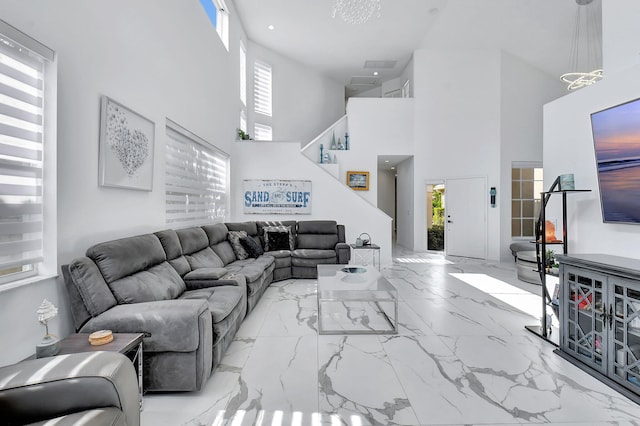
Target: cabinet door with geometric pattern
[
  {"x": 585, "y": 315},
  {"x": 625, "y": 346}
]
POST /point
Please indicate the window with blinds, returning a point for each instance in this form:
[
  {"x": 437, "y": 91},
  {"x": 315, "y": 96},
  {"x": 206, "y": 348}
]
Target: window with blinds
[
  {"x": 262, "y": 88},
  {"x": 263, "y": 132},
  {"x": 196, "y": 180},
  {"x": 22, "y": 101},
  {"x": 243, "y": 74}
]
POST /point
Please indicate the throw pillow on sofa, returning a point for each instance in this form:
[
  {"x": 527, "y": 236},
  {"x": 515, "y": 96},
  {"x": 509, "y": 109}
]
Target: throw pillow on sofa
[
  {"x": 278, "y": 238},
  {"x": 238, "y": 249},
  {"x": 252, "y": 247}
]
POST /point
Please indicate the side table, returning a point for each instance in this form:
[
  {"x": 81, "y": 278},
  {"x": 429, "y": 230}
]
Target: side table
[
  {"x": 125, "y": 343},
  {"x": 365, "y": 255}
]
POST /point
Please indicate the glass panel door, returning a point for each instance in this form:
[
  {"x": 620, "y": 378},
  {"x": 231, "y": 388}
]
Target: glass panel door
[
  {"x": 626, "y": 337},
  {"x": 586, "y": 316}
]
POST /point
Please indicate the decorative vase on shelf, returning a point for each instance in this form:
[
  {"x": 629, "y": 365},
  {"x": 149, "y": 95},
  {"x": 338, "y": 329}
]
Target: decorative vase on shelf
[
  {"x": 346, "y": 141},
  {"x": 327, "y": 158},
  {"x": 340, "y": 145},
  {"x": 321, "y": 154},
  {"x": 333, "y": 141}
]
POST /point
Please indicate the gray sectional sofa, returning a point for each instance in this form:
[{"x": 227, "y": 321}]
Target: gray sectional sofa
[{"x": 189, "y": 289}]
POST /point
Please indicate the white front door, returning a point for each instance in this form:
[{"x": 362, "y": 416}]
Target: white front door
[{"x": 466, "y": 217}]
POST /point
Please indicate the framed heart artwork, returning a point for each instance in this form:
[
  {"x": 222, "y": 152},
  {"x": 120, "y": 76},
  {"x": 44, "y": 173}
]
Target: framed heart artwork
[{"x": 126, "y": 147}]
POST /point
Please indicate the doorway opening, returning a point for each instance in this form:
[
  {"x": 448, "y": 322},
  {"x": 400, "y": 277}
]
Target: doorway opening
[{"x": 435, "y": 216}]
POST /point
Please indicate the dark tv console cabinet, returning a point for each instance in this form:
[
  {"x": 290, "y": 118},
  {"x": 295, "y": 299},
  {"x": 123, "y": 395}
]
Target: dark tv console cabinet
[{"x": 600, "y": 318}]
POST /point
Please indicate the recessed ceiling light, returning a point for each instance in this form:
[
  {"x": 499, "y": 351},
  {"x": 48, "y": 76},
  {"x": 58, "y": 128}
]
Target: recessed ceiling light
[
  {"x": 375, "y": 73},
  {"x": 386, "y": 161},
  {"x": 393, "y": 168},
  {"x": 271, "y": 27}
]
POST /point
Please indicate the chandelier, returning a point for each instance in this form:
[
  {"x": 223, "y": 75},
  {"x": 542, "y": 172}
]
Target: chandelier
[
  {"x": 586, "y": 54},
  {"x": 356, "y": 11}
]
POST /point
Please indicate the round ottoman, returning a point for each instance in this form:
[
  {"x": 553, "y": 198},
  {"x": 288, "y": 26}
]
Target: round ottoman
[{"x": 527, "y": 265}]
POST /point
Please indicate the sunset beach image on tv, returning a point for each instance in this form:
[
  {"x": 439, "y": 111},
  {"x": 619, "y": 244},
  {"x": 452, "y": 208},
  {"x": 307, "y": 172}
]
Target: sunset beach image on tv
[{"x": 616, "y": 138}]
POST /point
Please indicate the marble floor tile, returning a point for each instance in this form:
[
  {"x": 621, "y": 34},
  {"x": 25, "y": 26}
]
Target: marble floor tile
[
  {"x": 461, "y": 357},
  {"x": 357, "y": 380}
]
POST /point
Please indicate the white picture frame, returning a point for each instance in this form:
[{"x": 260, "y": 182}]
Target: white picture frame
[{"x": 126, "y": 147}]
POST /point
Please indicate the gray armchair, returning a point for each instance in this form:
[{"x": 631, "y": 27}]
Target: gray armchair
[{"x": 88, "y": 388}]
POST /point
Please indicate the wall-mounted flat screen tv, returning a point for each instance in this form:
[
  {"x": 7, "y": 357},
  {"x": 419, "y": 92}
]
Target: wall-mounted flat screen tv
[{"x": 616, "y": 138}]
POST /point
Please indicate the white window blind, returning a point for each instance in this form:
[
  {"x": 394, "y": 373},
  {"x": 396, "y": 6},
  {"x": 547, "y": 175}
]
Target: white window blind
[
  {"x": 197, "y": 179},
  {"x": 21, "y": 158},
  {"x": 262, "y": 88},
  {"x": 243, "y": 74},
  {"x": 263, "y": 132}
]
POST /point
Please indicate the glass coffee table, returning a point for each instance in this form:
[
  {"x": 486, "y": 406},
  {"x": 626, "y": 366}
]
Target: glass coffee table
[{"x": 355, "y": 299}]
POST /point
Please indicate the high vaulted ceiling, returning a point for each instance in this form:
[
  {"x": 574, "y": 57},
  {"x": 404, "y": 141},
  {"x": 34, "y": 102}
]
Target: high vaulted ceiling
[{"x": 538, "y": 31}]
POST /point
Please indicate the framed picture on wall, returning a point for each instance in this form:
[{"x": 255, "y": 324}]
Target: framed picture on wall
[
  {"x": 126, "y": 147},
  {"x": 358, "y": 181}
]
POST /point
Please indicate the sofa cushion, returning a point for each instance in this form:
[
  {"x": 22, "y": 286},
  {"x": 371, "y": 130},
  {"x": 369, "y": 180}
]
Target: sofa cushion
[
  {"x": 93, "y": 289},
  {"x": 317, "y": 227},
  {"x": 252, "y": 247},
  {"x": 217, "y": 233},
  {"x": 221, "y": 300},
  {"x": 160, "y": 282},
  {"x": 313, "y": 254},
  {"x": 224, "y": 252},
  {"x": 192, "y": 239},
  {"x": 278, "y": 238},
  {"x": 206, "y": 274},
  {"x": 173, "y": 249},
  {"x": 126, "y": 256},
  {"x": 311, "y": 262},
  {"x": 317, "y": 241},
  {"x": 252, "y": 269},
  {"x": 170, "y": 243},
  {"x": 238, "y": 248},
  {"x": 205, "y": 258},
  {"x": 317, "y": 234}
]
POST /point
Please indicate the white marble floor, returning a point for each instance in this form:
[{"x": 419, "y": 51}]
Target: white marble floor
[{"x": 462, "y": 356}]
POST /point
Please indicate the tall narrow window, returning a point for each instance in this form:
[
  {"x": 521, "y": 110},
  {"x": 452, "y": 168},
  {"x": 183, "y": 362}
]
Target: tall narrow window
[
  {"x": 243, "y": 121},
  {"x": 22, "y": 142},
  {"x": 526, "y": 186},
  {"x": 243, "y": 74},
  {"x": 263, "y": 132},
  {"x": 218, "y": 14},
  {"x": 262, "y": 88},
  {"x": 196, "y": 181}
]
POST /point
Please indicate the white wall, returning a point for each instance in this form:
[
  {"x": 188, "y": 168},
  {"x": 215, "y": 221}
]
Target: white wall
[
  {"x": 620, "y": 48},
  {"x": 568, "y": 141},
  {"x": 163, "y": 59},
  {"x": 387, "y": 192},
  {"x": 305, "y": 102},
  {"x": 382, "y": 126},
  {"x": 457, "y": 126},
  {"x": 407, "y": 74},
  {"x": 331, "y": 200},
  {"x": 391, "y": 85},
  {"x": 524, "y": 90},
  {"x": 374, "y": 92},
  {"x": 406, "y": 234}
]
